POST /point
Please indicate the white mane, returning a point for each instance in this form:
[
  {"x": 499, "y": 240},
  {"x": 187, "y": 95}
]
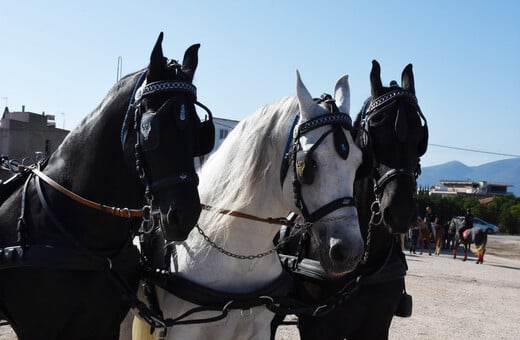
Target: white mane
[{"x": 247, "y": 164}]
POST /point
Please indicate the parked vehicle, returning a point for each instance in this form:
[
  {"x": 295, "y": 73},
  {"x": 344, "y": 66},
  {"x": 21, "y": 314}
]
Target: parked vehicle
[{"x": 480, "y": 223}]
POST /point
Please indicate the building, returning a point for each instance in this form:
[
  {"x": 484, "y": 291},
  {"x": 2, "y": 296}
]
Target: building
[
  {"x": 23, "y": 134},
  {"x": 481, "y": 189},
  {"x": 222, "y": 128}
]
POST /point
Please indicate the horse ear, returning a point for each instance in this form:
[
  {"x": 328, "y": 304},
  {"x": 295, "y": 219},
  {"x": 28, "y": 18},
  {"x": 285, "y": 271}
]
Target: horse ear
[
  {"x": 157, "y": 62},
  {"x": 190, "y": 61},
  {"x": 342, "y": 95},
  {"x": 375, "y": 80},
  {"x": 305, "y": 101},
  {"x": 407, "y": 79}
]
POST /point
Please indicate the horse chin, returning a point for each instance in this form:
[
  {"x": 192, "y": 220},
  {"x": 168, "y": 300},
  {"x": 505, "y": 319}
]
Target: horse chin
[
  {"x": 341, "y": 257},
  {"x": 176, "y": 224},
  {"x": 334, "y": 273}
]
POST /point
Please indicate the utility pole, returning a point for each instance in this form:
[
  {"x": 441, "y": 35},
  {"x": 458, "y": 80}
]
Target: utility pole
[{"x": 119, "y": 71}]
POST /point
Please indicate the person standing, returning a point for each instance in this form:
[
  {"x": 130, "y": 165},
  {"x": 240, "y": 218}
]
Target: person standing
[{"x": 414, "y": 236}]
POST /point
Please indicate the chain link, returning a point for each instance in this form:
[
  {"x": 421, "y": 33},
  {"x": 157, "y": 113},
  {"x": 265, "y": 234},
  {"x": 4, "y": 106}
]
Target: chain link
[
  {"x": 238, "y": 256},
  {"x": 305, "y": 226}
]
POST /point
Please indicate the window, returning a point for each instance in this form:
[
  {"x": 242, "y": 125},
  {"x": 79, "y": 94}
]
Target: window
[{"x": 223, "y": 133}]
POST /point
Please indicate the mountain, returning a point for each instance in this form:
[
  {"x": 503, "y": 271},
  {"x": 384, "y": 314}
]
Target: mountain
[{"x": 505, "y": 171}]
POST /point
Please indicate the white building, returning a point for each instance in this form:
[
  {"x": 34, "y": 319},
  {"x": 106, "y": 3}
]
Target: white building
[
  {"x": 222, "y": 128},
  {"x": 481, "y": 188}
]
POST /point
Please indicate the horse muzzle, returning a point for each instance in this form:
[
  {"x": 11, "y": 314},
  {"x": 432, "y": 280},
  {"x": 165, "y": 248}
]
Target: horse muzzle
[
  {"x": 339, "y": 256},
  {"x": 177, "y": 223}
]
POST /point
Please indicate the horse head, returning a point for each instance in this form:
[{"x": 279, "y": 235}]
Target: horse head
[
  {"x": 325, "y": 163},
  {"x": 393, "y": 134},
  {"x": 168, "y": 134}
]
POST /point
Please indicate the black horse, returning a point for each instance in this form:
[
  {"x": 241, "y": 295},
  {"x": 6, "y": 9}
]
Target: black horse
[
  {"x": 392, "y": 133},
  {"x": 68, "y": 269}
]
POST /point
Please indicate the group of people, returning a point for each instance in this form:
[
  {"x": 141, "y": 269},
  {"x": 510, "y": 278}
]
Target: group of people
[{"x": 433, "y": 221}]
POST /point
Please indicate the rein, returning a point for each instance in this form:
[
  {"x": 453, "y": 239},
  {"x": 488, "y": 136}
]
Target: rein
[
  {"x": 269, "y": 220},
  {"x": 120, "y": 212}
]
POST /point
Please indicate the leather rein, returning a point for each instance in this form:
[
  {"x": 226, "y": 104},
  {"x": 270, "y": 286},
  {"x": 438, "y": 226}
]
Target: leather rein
[{"x": 120, "y": 212}]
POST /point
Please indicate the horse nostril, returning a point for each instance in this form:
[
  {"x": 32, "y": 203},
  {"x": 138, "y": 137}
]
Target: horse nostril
[{"x": 338, "y": 253}]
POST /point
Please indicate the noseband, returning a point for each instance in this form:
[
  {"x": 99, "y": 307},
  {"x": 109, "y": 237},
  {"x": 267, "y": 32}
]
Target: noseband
[{"x": 300, "y": 159}]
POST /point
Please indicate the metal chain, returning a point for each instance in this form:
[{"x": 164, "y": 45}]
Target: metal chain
[
  {"x": 305, "y": 226},
  {"x": 238, "y": 256}
]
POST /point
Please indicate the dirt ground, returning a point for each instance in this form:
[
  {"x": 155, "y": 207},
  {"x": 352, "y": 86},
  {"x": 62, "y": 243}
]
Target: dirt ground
[{"x": 452, "y": 299}]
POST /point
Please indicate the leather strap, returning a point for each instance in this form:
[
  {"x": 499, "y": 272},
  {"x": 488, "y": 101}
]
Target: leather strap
[
  {"x": 270, "y": 220},
  {"x": 120, "y": 212}
]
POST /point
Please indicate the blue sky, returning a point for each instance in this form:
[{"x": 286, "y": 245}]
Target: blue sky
[{"x": 61, "y": 57}]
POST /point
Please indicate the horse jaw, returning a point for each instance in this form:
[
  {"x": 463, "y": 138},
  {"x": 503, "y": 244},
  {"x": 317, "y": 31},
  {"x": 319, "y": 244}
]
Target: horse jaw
[{"x": 398, "y": 206}]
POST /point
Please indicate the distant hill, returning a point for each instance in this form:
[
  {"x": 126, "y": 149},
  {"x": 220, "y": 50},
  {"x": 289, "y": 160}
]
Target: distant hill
[{"x": 506, "y": 171}]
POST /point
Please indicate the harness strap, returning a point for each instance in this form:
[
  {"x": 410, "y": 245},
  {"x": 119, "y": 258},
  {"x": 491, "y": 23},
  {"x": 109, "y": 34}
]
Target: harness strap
[
  {"x": 113, "y": 275},
  {"x": 213, "y": 300},
  {"x": 120, "y": 212},
  {"x": 206, "y": 296},
  {"x": 330, "y": 207},
  {"x": 269, "y": 220},
  {"x": 388, "y": 176},
  {"x": 50, "y": 257},
  {"x": 394, "y": 267}
]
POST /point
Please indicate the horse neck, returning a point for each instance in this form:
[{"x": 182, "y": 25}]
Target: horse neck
[
  {"x": 242, "y": 176},
  {"x": 90, "y": 162}
]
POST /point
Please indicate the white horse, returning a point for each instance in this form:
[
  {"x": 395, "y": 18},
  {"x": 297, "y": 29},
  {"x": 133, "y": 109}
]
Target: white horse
[{"x": 251, "y": 174}]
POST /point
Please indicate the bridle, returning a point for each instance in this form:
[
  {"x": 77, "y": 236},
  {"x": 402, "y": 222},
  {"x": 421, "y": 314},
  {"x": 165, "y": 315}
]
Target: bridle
[
  {"x": 301, "y": 161},
  {"x": 145, "y": 123},
  {"x": 375, "y": 108},
  {"x": 101, "y": 261},
  {"x": 303, "y": 164}
]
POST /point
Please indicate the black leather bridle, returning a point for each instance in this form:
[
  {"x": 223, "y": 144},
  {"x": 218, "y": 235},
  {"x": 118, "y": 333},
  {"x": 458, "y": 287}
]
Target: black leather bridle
[
  {"x": 372, "y": 109},
  {"x": 337, "y": 120}
]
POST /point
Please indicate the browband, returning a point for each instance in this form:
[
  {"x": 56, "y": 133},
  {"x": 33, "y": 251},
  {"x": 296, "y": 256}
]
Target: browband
[
  {"x": 385, "y": 98},
  {"x": 166, "y": 86},
  {"x": 327, "y": 119}
]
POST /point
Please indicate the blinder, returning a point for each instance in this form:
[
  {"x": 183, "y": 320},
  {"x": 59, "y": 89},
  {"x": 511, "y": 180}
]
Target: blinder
[
  {"x": 372, "y": 115},
  {"x": 305, "y": 167},
  {"x": 149, "y": 137},
  {"x": 206, "y": 133},
  {"x": 372, "y": 107},
  {"x": 149, "y": 127}
]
